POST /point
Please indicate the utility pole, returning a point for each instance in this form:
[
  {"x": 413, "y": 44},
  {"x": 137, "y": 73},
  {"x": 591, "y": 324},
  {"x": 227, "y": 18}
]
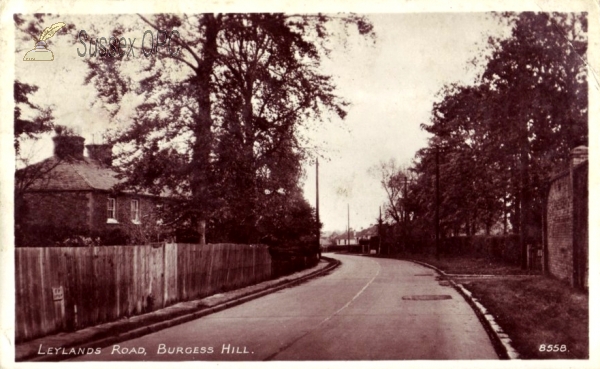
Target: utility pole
[
  {"x": 379, "y": 230},
  {"x": 317, "y": 210},
  {"x": 348, "y": 230},
  {"x": 437, "y": 202},
  {"x": 405, "y": 195},
  {"x": 405, "y": 214}
]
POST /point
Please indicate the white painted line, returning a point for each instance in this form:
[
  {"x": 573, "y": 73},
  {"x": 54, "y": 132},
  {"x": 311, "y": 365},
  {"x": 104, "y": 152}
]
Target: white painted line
[
  {"x": 291, "y": 343},
  {"x": 355, "y": 296}
]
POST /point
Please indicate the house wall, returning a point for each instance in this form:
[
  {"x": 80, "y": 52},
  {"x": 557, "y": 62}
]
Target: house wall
[
  {"x": 560, "y": 229},
  {"x": 79, "y": 212},
  {"x": 99, "y": 206},
  {"x": 65, "y": 209}
]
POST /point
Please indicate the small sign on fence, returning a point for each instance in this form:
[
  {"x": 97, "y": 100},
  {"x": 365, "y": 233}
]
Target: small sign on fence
[{"x": 57, "y": 293}]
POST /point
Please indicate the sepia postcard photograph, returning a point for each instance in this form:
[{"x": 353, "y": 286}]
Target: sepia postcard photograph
[{"x": 399, "y": 184}]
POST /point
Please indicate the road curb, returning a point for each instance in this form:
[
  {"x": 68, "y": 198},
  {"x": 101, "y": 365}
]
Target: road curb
[
  {"x": 500, "y": 340},
  {"x": 171, "y": 321}
]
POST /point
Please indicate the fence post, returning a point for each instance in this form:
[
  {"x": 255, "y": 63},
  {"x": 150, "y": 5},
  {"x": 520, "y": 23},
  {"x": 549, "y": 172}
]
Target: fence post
[{"x": 164, "y": 274}]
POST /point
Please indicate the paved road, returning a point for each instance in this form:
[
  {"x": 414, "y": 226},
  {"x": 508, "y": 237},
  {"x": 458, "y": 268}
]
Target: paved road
[{"x": 361, "y": 311}]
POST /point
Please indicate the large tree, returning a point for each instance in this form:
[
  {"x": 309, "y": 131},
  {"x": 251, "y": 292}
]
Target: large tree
[
  {"x": 220, "y": 125},
  {"x": 394, "y": 180},
  {"x": 540, "y": 72},
  {"x": 503, "y": 137}
]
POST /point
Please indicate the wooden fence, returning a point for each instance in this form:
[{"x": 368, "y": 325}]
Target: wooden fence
[{"x": 68, "y": 288}]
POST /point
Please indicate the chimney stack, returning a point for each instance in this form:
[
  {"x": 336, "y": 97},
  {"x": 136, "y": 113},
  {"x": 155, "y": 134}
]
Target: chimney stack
[
  {"x": 101, "y": 153},
  {"x": 66, "y": 146}
]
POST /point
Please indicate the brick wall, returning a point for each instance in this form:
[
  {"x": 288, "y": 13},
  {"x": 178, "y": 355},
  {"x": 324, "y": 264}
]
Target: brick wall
[
  {"x": 99, "y": 205},
  {"x": 581, "y": 225},
  {"x": 560, "y": 229},
  {"x": 66, "y": 209},
  {"x": 57, "y": 215}
]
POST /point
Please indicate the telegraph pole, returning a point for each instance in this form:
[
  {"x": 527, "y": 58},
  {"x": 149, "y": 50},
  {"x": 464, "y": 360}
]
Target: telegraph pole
[
  {"x": 379, "y": 229},
  {"x": 437, "y": 202},
  {"x": 348, "y": 228},
  {"x": 405, "y": 214},
  {"x": 405, "y": 195},
  {"x": 317, "y": 210}
]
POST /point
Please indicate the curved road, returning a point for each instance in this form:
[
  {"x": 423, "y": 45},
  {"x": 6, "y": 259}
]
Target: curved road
[{"x": 366, "y": 309}]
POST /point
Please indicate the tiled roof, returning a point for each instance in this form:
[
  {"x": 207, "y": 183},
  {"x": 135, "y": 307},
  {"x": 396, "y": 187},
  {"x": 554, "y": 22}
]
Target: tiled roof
[
  {"x": 85, "y": 174},
  {"x": 371, "y": 231},
  {"x": 344, "y": 236}
]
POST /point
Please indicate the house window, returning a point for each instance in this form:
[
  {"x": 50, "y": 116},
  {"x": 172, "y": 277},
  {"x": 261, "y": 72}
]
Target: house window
[
  {"x": 135, "y": 211},
  {"x": 158, "y": 214},
  {"x": 111, "y": 210}
]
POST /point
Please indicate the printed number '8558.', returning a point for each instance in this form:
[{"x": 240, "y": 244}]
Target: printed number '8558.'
[{"x": 553, "y": 348}]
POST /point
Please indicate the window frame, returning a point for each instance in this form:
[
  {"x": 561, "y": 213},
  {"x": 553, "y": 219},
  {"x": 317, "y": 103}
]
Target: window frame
[
  {"x": 111, "y": 211},
  {"x": 135, "y": 211}
]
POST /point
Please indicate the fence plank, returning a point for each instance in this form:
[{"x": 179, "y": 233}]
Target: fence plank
[{"x": 106, "y": 283}]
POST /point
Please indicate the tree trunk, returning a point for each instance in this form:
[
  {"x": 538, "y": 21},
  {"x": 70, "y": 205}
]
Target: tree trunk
[
  {"x": 505, "y": 208},
  {"x": 202, "y": 231},
  {"x": 252, "y": 234},
  {"x": 468, "y": 226},
  {"x": 524, "y": 197},
  {"x": 201, "y": 150}
]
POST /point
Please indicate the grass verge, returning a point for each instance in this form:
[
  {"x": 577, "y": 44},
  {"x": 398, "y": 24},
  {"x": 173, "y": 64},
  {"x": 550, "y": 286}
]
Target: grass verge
[
  {"x": 536, "y": 311},
  {"x": 468, "y": 264}
]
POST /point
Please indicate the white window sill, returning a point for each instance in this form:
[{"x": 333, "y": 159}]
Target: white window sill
[
  {"x": 136, "y": 222},
  {"x": 112, "y": 221}
]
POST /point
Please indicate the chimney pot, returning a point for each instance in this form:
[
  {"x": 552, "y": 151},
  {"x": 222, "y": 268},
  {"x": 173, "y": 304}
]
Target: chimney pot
[
  {"x": 68, "y": 147},
  {"x": 101, "y": 153}
]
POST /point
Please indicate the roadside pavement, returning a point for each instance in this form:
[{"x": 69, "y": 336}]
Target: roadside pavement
[{"x": 125, "y": 329}]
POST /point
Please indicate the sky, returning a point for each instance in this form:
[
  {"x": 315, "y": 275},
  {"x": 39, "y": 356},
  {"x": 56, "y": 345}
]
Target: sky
[{"x": 391, "y": 84}]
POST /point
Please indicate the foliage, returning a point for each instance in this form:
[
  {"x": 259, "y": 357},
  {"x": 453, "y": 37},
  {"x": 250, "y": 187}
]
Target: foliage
[
  {"x": 149, "y": 229},
  {"x": 394, "y": 179},
  {"x": 220, "y": 125},
  {"x": 44, "y": 235},
  {"x": 470, "y": 263},
  {"x": 500, "y": 139},
  {"x": 62, "y": 130},
  {"x": 31, "y": 120}
]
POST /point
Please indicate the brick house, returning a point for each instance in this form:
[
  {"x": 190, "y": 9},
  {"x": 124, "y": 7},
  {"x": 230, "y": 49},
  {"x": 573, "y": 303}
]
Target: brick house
[
  {"x": 73, "y": 191},
  {"x": 565, "y": 222}
]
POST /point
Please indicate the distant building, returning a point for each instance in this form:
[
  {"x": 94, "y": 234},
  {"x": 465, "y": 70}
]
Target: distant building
[
  {"x": 367, "y": 233},
  {"x": 347, "y": 240}
]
